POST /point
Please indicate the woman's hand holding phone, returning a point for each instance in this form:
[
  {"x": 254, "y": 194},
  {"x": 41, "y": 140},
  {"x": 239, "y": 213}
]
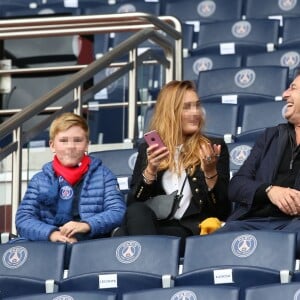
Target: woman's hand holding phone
[{"x": 156, "y": 152}]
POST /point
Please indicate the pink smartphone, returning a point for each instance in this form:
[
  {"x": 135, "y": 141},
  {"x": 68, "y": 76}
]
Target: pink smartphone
[{"x": 152, "y": 137}]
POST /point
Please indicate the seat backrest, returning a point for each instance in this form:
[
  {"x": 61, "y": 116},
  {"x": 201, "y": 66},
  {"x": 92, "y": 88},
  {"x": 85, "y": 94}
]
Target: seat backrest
[
  {"x": 121, "y": 162},
  {"x": 123, "y": 7},
  {"x": 187, "y": 292},
  {"x": 254, "y": 115},
  {"x": 238, "y": 153},
  {"x": 40, "y": 260},
  {"x": 192, "y": 65},
  {"x": 149, "y": 254},
  {"x": 46, "y": 9},
  {"x": 86, "y": 295},
  {"x": 238, "y": 37},
  {"x": 244, "y": 248},
  {"x": 284, "y": 58},
  {"x": 196, "y": 12},
  {"x": 269, "y": 8},
  {"x": 221, "y": 120},
  {"x": 290, "y": 36},
  {"x": 256, "y": 82},
  {"x": 274, "y": 292}
]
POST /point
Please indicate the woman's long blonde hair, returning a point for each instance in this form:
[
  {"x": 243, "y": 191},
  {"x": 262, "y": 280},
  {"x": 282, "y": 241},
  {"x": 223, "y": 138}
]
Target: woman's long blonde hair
[{"x": 166, "y": 120}]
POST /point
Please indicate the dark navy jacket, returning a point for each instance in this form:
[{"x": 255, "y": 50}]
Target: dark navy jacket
[{"x": 259, "y": 169}]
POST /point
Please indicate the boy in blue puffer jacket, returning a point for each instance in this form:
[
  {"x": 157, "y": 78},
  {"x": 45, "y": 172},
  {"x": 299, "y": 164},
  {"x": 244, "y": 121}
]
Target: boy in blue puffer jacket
[{"x": 74, "y": 197}]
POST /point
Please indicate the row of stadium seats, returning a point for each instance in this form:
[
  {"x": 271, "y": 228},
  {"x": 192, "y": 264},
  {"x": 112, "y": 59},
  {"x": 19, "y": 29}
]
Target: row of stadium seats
[
  {"x": 214, "y": 37},
  {"x": 266, "y": 292},
  {"x": 188, "y": 11},
  {"x": 126, "y": 264}
]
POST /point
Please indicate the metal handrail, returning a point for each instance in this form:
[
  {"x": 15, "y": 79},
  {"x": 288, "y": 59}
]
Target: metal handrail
[{"x": 44, "y": 27}]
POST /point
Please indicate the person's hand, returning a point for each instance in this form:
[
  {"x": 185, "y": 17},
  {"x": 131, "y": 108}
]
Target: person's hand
[
  {"x": 57, "y": 236},
  {"x": 286, "y": 199},
  {"x": 71, "y": 228},
  {"x": 154, "y": 156},
  {"x": 209, "y": 157}
]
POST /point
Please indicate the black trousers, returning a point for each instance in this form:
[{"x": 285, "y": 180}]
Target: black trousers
[{"x": 141, "y": 220}]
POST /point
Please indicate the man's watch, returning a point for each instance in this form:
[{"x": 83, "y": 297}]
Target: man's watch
[{"x": 267, "y": 190}]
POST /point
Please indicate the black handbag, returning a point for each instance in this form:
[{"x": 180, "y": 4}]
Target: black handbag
[{"x": 165, "y": 206}]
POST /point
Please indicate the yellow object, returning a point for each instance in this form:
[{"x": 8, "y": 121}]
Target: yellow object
[{"x": 209, "y": 225}]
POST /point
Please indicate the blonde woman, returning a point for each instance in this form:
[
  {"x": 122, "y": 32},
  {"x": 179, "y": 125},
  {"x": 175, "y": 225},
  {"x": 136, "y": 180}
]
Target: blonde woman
[{"x": 178, "y": 119}]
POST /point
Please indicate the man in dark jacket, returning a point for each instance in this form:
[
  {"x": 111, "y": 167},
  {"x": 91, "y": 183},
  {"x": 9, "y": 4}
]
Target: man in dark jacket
[{"x": 266, "y": 189}]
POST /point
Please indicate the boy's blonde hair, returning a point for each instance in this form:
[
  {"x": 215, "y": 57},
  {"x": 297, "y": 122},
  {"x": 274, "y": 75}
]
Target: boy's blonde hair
[{"x": 66, "y": 121}]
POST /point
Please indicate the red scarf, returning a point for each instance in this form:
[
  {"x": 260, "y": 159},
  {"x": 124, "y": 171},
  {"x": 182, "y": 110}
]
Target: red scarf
[{"x": 71, "y": 174}]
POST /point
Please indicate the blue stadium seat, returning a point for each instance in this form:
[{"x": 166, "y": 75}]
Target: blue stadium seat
[
  {"x": 232, "y": 85},
  {"x": 68, "y": 296},
  {"x": 30, "y": 267},
  {"x": 101, "y": 44},
  {"x": 284, "y": 58},
  {"x": 274, "y": 292},
  {"x": 290, "y": 36},
  {"x": 254, "y": 120},
  {"x": 13, "y": 7},
  {"x": 122, "y": 264},
  {"x": 46, "y": 9},
  {"x": 186, "y": 292},
  {"x": 125, "y": 7},
  {"x": 238, "y": 37},
  {"x": 221, "y": 120},
  {"x": 241, "y": 259},
  {"x": 121, "y": 162},
  {"x": 238, "y": 153},
  {"x": 270, "y": 9},
  {"x": 194, "y": 64},
  {"x": 198, "y": 12},
  {"x": 77, "y": 3}
]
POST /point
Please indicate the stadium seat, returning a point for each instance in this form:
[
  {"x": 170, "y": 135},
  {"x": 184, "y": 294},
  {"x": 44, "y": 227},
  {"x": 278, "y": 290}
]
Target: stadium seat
[
  {"x": 270, "y": 9},
  {"x": 290, "y": 36},
  {"x": 13, "y": 6},
  {"x": 41, "y": 52},
  {"x": 121, "y": 162},
  {"x": 122, "y": 264},
  {"x": 238, "y": 37},
  {"x": 68, "y": 296},
  {"x": 242, "y": 259},
  {"x": 125, "y": 7},
  {"x": 274, "y": 292},
  {"x": 194, "y": 64},
  {"x": 186, "y": 292},
  {"x": 30, "y": 267},
  {"x": 44, "y": 10},
  {"x": 233, "y": 85},
  {"x": 221, "y": 120},
  {"x": 197, "y": 12},
  {"x": 238, "y": 153},
  {"x": 77, "y": 3},
  {"x": 257, "y": 116},
  {"x": 284, "y": 58}
]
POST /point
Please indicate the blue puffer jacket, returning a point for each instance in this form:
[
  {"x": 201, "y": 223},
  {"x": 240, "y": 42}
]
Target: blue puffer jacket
[{"x": 101, "y": 203}]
